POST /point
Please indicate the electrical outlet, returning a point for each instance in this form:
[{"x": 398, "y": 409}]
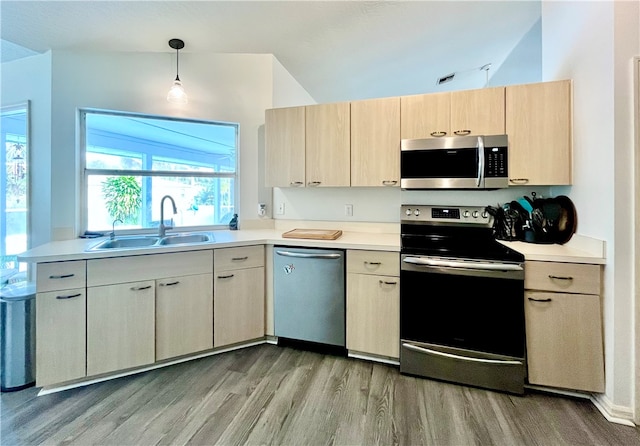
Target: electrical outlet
[
  {"x": 348, "y": 210},
  {"x": 262, "y": 209},
  {"x": 281, "y": 209}
]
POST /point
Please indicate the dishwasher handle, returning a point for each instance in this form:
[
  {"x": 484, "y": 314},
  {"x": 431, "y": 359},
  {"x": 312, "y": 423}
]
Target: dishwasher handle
[{"x": 304, "y": 255}]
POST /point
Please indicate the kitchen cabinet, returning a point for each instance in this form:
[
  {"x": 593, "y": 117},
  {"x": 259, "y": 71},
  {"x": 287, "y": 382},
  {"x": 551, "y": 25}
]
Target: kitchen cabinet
[
  {"x": 60, "y": 322},
  {"x": 539, "y": 125},
  {"x": 132, "y": 308},
  {"x": 285, "y": 147},
  {"x": 375, "y": 142},
  {"x": 239, "y": 295},
  {"x": 327, "y": 142},
  {"x": 184, "y": 315},
  {"x": 467, "y": 112},
  {"x": 373, "y": 303},
  {"x": 120, "y": 326},
  {"x": 564, "y": 325}
]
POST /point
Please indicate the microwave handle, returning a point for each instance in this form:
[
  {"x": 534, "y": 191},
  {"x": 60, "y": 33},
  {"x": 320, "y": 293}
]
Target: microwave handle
[{"x": 480, "y": 161}]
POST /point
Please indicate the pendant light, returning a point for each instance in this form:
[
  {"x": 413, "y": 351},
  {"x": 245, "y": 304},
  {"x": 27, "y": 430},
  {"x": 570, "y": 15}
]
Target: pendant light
[{"x": 177, "y": 93}]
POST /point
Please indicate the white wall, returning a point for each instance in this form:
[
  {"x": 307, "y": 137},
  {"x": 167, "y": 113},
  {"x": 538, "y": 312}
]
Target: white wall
[
  {"x": 29, "y": 79},
  {"x": 593, "y": 43}
]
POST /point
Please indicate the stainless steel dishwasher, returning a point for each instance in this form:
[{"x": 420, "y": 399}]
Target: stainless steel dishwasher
[{"x": 309, "y": 294}]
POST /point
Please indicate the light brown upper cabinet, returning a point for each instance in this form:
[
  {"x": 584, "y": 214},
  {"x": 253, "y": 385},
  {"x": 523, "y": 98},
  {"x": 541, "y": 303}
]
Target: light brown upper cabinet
[
  {"x": 327, "y": 140},
  {"x": 539, "y": 125},
  {"x": 375, "y": 142},
  {"x": 285, "y": 147},
  {"x": 468, "y": 112}
]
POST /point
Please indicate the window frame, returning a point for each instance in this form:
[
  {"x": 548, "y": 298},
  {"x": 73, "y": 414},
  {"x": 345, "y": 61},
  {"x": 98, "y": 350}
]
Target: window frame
[{"x": 86, "y": 172}]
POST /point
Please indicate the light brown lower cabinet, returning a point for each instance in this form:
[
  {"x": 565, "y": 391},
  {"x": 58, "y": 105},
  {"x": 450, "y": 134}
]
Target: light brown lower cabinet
[
  {"x": 120, "y": 326},
  {"x": 184, "y": 315},
  {"x": 61, "y": 336},
  {"x": 564, "y": 340}
]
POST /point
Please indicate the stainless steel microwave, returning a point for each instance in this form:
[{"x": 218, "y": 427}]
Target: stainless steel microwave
[{"x": 456, "y": 162}]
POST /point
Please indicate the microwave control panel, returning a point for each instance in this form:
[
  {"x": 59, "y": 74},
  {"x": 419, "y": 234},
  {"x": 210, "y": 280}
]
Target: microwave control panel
[{"x": 495, "y": 162}]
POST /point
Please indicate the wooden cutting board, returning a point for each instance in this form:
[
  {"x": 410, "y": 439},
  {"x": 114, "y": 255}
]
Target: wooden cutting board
[{"x": 317, "y": 234}]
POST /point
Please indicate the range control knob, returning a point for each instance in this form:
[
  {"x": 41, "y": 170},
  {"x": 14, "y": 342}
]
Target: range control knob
[
  {"x": 416, "y": 212},
  {"x": 465, "y": 214},
  {"x": 475, "y": 214},
  {"x": 408, "y": 212},
  {"x": 484, "y": 214}
]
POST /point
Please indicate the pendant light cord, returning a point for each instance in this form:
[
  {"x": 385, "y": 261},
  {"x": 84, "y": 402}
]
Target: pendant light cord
[{"x": 177, "y": 64}]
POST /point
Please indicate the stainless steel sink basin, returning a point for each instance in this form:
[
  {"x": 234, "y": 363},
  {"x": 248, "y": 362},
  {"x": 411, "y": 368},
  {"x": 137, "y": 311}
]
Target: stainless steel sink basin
[
  {"x": 180, "y": 239},
  {"x": 150, "y": 241}
]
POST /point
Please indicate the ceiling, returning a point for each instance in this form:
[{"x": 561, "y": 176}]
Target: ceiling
[{"x": 341, "y": 50}]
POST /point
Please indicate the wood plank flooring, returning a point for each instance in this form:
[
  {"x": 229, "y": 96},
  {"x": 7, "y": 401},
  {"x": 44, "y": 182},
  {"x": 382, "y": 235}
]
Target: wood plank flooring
[{"x": 272, "y": 395}]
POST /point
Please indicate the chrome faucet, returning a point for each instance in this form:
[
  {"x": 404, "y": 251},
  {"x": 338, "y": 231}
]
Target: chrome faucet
[
  {"x": 162, "y": 227},
  {"x": 112, "y": 235}
]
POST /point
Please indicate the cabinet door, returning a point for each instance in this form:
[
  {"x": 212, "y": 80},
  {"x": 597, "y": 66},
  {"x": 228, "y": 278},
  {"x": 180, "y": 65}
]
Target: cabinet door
[
  {"x": 120, "y": 326},
  {"x": 184, "y": 315},
  {"x": 425, "y": 115},
  {"x": 564, "y": 340},
  {"x": 375, "y": 142},
  {"x": 538, "y": 122},
  {"x": 285, "y": 147},
  {"x": 478, "y": 112},
  {"x": 373, "y": 314},
  {"x": 60, "y": 336},
  {"x": 238, "y": 308},
  {"x": 327, "y": 140}
]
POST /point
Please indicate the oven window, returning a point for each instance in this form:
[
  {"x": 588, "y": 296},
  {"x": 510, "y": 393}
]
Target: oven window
[{"x": 469, "y": 312}]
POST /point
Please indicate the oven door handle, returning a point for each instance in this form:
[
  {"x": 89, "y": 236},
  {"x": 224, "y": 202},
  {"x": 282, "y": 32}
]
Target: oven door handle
[
  {"x": 462, "y": 358},
  {"x": 462, "y": 264}
]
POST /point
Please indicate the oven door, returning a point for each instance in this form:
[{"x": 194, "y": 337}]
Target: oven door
[{"x": 467, "y": 304}]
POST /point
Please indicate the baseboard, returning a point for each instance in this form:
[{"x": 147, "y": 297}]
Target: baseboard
[
  {"x": 374, "y": 358},
  {"x": 612, "y": 412}
]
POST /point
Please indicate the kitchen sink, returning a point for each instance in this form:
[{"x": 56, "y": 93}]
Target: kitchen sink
[{"x": 150, "y": 241}]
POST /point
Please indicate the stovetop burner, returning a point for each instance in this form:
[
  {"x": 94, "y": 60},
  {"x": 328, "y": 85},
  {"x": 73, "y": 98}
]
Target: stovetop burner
[{"x": 452, "y": 231}]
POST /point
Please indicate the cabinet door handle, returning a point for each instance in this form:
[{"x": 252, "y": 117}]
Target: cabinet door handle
[
  {"x": 140, "y": 288},
  {"x": 239, "y": 259},
  {"x": 62, "y": 276},
  {"x": 170, "y": 283},
  {"x": 226, "y": 277},
  {"x": 388, "y": 282},
  {"x": 438, "y": 134},
  {"x": 560, "y": 277},
  {"x": 372, "y": 263},
  {"x": 462, "y": 132},
  {"x": 296, "y": 183},
  {"x": 519, "y": 180},
  {"x": 548, "y": 299},
  {"x": 70, "y": 296},
  {"x": 389, "y": 182},
  {"x": 314, "y": 183}
]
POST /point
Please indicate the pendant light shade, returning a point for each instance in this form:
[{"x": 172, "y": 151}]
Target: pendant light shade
[{"x": 176, "y": 93}]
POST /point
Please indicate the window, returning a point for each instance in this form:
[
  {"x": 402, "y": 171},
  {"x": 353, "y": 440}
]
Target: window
[
  {"x": 14, "y": 192},
  {"x": 132, "y": 161}
]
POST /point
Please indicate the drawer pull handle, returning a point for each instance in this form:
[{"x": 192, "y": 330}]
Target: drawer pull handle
[
  {"x": 296, "y": 183},
  {"x": 438, "y": 134},
  {"x": 389, "y": 182},
  {"x": 70, "y": 296},
  {"x": 560, "y": 277},
  {"x": 226, "y": 277},
  {"x": 140, "y": 288},
  {"x": 519, "y": 180},
  {"x": 388, "y": 282},
  {"x": 372, "y": 263},
  {"x": 239, "y": 259},
  {"x": 170, "y": 283},
  {"x": 62, "y": 276},
  {"x": 548, "y": 299},
  {"x": 462, "y": 132},
  {"x": 314, "y": 183}
]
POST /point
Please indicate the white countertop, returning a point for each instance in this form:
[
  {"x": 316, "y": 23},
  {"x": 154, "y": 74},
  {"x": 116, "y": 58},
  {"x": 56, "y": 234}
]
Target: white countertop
[{"x": 579, "y": 249}]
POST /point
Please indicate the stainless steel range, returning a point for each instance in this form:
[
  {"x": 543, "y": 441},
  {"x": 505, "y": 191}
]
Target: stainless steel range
[{"x": 461, "y": 299}]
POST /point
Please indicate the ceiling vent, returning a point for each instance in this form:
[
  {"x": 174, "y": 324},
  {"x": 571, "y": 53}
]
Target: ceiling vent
[{"x": 447, "y": 78}]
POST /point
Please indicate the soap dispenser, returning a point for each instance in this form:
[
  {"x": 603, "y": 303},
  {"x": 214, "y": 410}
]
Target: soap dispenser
[{"x": 233, "y": 224}]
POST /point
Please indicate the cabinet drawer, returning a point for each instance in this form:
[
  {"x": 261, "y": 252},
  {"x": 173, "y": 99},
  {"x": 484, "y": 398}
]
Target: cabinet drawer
[
  {"x": 562, "y": 277},
  {"x": 61, "y": 275},
  {"x": 237, "y": 258},
  {"x": 148, "y": 267},
  {"x": 373, "y": 262}
]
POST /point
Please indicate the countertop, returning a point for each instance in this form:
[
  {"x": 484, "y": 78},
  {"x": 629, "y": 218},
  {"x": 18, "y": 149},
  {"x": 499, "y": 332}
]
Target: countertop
[{"x": 580, "y": 249}]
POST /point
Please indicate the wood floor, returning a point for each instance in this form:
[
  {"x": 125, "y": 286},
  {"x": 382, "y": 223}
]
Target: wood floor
[{"x": 283, "y": 396}]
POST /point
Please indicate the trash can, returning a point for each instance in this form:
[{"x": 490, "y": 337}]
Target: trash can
[{"x": 18, "y": 332}]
